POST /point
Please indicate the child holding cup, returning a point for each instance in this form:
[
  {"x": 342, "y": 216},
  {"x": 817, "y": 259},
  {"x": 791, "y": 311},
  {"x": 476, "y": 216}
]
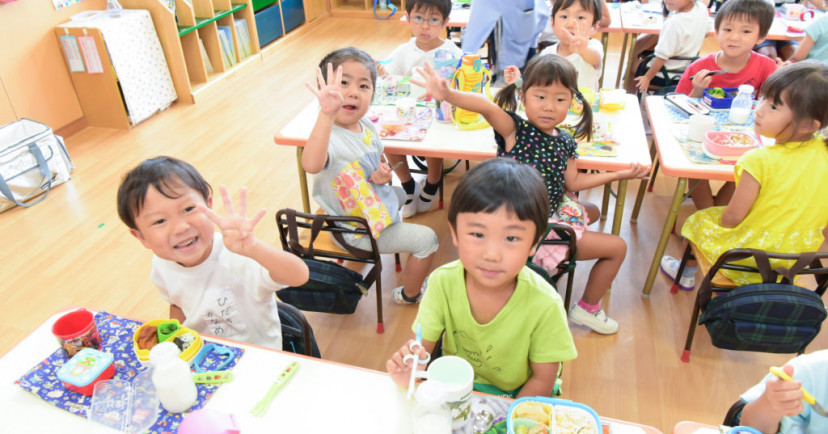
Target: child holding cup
[{"x": 489, "y": 308}]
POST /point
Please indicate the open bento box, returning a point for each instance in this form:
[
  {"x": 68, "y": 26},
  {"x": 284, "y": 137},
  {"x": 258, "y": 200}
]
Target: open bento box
[
  {"x": 718, "y": 144},
  {"x": 718, "y": 102},
  {"x": 180, "y": 332},
  {"x": 539, "y": 415}
]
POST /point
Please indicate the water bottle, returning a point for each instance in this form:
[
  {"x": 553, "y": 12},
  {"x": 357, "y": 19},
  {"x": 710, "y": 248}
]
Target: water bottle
[
  {"x": 740, "y": 108},
  {"x": 382, "y": 4},
  {"x": 431, "y": 414},
  {"x": 113, "y": 8},
  {"x": 172, "y": 378}
]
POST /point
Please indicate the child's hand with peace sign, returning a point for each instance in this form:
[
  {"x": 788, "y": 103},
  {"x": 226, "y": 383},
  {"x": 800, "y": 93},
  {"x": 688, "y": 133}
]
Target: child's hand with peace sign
[
  {"x": 580, "y": 37},
  {"x": 328, "y": 93}
]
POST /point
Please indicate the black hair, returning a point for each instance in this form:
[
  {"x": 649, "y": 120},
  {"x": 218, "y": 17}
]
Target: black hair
[
  {"x": 347, "y": 54},
  {"x": 441, "y": 6},
  {"x": 544, "y": 70},
  {"x": 593, "y": 6},
  {"x": 166, "y": 174},
  {"x": 802, "y": 86},
  {"x": 499, "y": 182},
  {"x": 759, "y": 11}
]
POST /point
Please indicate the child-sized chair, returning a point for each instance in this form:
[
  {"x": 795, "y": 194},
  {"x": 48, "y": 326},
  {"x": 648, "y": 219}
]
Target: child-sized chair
[
  {"x": 297, "y": 334},
  {"x": 566, "y": 237},
  {"x": 316, "y": 241},
  {"x": 665, "y": 80},
  {"x": 775, "y": 316}
]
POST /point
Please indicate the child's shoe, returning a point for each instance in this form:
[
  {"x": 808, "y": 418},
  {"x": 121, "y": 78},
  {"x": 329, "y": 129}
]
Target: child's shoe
[
  {"x": 399, "y": 296},
  {"x": 670, "y": 266},
  {"x": 410, "y": 209},
  {"x": 599, "y": 322},
  {"x": 430, "y": 199}
]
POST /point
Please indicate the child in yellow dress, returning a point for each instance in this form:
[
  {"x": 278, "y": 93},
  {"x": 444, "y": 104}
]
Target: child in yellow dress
[{"x": 780, "y": 202}]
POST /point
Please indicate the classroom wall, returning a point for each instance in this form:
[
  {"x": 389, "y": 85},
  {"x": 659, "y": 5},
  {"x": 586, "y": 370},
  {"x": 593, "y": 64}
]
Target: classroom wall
[{"x": 34, "y": 77}]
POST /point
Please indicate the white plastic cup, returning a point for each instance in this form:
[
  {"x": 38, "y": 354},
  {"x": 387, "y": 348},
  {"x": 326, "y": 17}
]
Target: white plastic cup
[
  {"x": 699, "y": 126},
  {"x": 457, "y": 375}
]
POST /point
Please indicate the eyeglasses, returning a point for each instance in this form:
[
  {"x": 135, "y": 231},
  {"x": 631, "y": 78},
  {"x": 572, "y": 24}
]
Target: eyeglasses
[{"x": 419, "y": 19}]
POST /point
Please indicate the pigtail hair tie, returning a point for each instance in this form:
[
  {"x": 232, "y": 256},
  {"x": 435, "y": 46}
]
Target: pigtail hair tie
[
  {"x": 579, "y": 95},
  {"x": 519, "y": 83}
]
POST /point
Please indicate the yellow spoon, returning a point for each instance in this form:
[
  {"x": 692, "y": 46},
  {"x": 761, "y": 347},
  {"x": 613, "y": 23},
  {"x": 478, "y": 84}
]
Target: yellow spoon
[{"x": 807, "y": 397}]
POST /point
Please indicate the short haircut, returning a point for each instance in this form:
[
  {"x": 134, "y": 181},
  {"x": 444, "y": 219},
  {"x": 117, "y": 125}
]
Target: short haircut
[
  {"x": 165, "y": 174},
  {"x": 441, "y": 6},
  {"x": 802, "y": 86},
  {"x": 593, "y": 6},
  {"x": 347, "y": 54},
  {"x": 759, "y": 11},
  {"x": 502, "y": 182}
]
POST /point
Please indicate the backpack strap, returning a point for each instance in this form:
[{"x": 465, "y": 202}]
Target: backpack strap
[
  {"x": 788, "y": 274},
  {"x": 293, "y": 233}
]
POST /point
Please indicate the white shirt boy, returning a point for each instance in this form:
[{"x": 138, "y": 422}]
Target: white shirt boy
[{"x": 588, "y": 75}]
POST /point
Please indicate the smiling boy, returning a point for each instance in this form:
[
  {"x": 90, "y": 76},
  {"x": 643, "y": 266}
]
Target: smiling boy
[{"x": 740, "y": 25}]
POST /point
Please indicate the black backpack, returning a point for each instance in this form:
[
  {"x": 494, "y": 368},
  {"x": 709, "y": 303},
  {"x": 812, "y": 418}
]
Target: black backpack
[{"x": 294, "y": 338}]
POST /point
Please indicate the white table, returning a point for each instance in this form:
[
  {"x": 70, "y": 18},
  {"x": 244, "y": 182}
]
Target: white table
[
  {"x": 322, "y": 397},
  {"x": 446, "y": 141}
]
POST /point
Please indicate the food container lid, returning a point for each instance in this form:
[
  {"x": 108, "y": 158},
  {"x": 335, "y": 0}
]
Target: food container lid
[
  {"x": 130, "y": 407},
  {"x": 84, "y": 367}
]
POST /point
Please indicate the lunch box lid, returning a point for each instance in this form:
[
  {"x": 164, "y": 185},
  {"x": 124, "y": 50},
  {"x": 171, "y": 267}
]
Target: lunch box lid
[{"x": 84, "y": 367}]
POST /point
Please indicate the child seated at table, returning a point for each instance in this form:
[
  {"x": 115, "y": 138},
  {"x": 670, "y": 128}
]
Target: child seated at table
[
  {"x": 776, "y": 405},
  {"x": 344, "y": 148},
  {"x": 681, "y": 36},
  {"x": 426, "y": 19},
  {"x": 815, "y": 43},
  {"x": 547, "y": 89},
  {"x": 779, "y": 204},
  {"x": 218, "y": 283},
  {"x": 488, "y": 306},
  {"x": 740, "y": 24},
  {"x": 574, "y": 23}
]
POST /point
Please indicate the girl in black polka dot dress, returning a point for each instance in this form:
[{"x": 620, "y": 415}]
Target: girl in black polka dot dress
[{"x": 547, "y": 89}]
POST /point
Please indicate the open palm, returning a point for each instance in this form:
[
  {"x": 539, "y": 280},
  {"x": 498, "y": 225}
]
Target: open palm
[
  {"x": 328, "y": 93},
  {"x": 236, "y": 228}
]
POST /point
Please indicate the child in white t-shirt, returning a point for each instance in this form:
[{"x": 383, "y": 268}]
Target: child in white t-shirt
[
  {"x": 425, "y": 19},
  {"x": 219, "y": 283},
  {"x": 574, "y": 23}
]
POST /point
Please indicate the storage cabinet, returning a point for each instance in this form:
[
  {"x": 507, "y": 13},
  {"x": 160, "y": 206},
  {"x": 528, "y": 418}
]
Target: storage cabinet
[
  {"x": 211, "y": 39},
  {"x": 363, "y": 8},
  {"x": 275, "y": 18}
]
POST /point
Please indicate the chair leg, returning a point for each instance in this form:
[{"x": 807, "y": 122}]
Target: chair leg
[
  {"x": 397, "y": 264},
  {"x": 684, "y": 258},
  {"x": 653, "y": 176},
  {"x": 568, "y": 296},
  {"x": 440, "y": 204},
  {"x": 467, "y": 165},
  {"x": 691, "y": 331},
  {"x": 378, "y": 285}
]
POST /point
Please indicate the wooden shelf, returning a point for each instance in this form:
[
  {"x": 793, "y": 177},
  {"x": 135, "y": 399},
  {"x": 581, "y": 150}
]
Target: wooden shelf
[{"x": 201, "y": 22}]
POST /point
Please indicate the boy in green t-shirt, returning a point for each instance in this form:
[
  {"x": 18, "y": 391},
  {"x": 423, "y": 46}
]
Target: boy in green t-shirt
[{"x": 499, "y": 315}]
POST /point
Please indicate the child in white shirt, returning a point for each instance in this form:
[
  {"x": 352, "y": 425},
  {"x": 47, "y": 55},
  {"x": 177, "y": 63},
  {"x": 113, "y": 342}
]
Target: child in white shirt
[{"x": 574, "y": 23}]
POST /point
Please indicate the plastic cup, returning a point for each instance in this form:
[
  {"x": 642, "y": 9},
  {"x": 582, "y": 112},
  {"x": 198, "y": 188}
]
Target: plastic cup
[{"x": 76, "y": 330}]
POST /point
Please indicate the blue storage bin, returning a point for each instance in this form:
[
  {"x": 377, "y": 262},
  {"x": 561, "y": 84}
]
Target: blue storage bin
[
  {"x": 720, "y": 103},
  {"x": 294, "y": 14},
  {"x": 269, "y": 25}
]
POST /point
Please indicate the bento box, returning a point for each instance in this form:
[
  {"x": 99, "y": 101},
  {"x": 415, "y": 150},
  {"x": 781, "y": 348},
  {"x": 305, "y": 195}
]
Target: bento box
[
  {"x": 727, "y": 144},
  {"x": 85, "y": 369},
  {"x": 184, "y": 337},
  {"x": 539, "y": 415},
  {"x": 719, "y": 103}
]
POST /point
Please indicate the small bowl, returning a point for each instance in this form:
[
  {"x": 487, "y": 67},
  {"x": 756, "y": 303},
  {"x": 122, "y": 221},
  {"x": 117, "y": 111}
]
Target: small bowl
[
  {"x": 392, "y": 124},
  {"x": 728, "y": 144},
  {"x": 85, "y": 369},
  {"x": 187, "y": 355}
]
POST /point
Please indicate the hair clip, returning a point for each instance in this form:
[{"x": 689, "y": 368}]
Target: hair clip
[
  {"x": 519, "y": 82},
  {"x": 579, "y": 95}
]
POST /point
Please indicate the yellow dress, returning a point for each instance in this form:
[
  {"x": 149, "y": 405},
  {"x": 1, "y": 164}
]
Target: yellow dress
[{"x": 790, "y": 211}]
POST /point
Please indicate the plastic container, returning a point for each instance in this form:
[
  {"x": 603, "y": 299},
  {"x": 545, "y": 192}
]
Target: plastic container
[
  {"x": 727, "y": 144},
  {"x": 172, "y": 378},
  {"x": 559, "y": 415},
  {"x": 391, "y": 124},
  {"x": 740, "y": 108},
  {"x": 431, "y": 414},
  {"x": 143, "y": 355},
  {"x": 129, "y": 407},
  {"x": 85, "y": 369},
  {"x": 719, "y": 103}
]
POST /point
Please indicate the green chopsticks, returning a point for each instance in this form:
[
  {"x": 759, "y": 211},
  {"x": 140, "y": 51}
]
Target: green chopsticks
[{"x": 261, "y": 407}]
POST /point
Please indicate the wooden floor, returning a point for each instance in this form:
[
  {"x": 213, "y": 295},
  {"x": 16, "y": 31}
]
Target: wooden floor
[{"x": 73, "y": 250}]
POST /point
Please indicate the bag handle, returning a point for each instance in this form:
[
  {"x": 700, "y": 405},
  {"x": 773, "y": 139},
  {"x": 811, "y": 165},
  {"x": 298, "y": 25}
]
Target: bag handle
[
  {"x": 770, "y": 274},
  {"x": 293, "y": 233},
  {"x": 44, "y": 170}
]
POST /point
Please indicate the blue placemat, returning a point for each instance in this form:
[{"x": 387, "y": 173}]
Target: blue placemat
[
  {"x": 720, "y": 116},
  {"x": 117, "y": 335}
]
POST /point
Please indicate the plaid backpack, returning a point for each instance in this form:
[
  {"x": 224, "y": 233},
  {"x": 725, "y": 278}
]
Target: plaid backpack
[
  {"x": 331, "y": 288},
  {"x": 767, "y": 317},
  {"x": 293, "y": 335}
]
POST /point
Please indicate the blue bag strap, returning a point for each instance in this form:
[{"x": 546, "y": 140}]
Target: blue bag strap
[
  {"x": 391, "y": 6},
  {"x": 44, "y": 170}
]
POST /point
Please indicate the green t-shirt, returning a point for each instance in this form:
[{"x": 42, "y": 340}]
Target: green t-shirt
[{"x": 531, "y": 326}]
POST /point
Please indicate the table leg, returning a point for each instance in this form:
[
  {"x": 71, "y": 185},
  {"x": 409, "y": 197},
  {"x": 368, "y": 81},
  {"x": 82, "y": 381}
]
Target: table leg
[
  {"x": 678, "y": 196},
  {"x": 621, "y": 59},
  {"x": 605, "y": 42},
  {"x": 605, "y": 200},
  {"x": 619, "y": 206},
  {"x": 303, "y": 181},
  {"x": 630, "y": 59}
]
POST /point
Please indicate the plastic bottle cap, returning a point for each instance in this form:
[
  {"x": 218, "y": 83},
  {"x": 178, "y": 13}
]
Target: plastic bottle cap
[
  {"x": 431, "y": 394},
  {"x": 163, "y": 351},
  {"x": 746, "y": 88}
]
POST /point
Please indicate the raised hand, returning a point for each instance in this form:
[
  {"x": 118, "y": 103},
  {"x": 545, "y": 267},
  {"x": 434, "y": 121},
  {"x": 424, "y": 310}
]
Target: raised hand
[
  {"x": 702, "y": 79},
  {"x": 328, "y": 93},
  {"x": 236, "y": 228},
  {"x": 434, "y": 84},
  {"x": 511, "y": 73},
  {"x": 580, "y": 37}
]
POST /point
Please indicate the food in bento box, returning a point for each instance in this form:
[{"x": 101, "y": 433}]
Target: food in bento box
[
  {"x": 727, "y": 144},
  {"x": 537, "y": 429},
  {"x": 537, "y": 411},
  {"x": 573, "y": 420},
  {"x": 147, "y": 338}
]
